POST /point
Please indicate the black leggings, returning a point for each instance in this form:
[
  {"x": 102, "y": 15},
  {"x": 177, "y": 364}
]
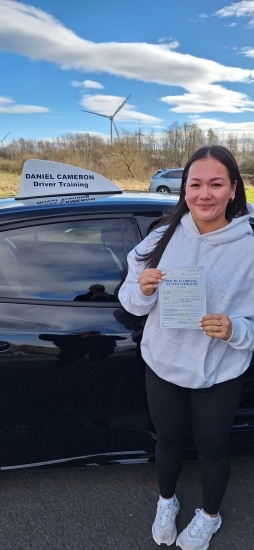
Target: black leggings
[{"x": 210, "y": 412}]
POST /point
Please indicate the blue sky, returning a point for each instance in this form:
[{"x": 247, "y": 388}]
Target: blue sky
[{"x": 184, "y": 60}]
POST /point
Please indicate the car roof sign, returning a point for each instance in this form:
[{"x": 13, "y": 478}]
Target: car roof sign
[{"x": 46, "y": 179}]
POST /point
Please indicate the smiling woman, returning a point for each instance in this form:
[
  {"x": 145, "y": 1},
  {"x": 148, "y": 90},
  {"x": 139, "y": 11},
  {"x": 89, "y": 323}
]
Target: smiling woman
[
  {"x": 208, "y": 232},
  {"x": 208, "y": 191}
]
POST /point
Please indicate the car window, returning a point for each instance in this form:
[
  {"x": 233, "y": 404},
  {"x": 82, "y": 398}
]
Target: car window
[
  {"x": 147, "y": 222},
  {"x": 74, "y": 261},
  {"x": 166, "y": 175},
  {"x": 176, "y": 174},
  {"x": 156, "y": 173}
]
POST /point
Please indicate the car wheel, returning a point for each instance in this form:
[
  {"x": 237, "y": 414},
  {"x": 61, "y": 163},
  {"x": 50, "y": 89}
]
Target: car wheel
[{"x": 162, "y": 189}]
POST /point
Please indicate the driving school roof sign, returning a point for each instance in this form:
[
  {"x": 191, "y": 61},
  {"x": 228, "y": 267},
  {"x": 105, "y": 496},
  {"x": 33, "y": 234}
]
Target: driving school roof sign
[{"x": 45, "y": 178}]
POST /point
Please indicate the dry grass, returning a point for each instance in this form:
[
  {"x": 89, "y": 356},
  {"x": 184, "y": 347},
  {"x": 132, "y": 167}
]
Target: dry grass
[
  {"x": 8, "y": 184},
  {"x": 130, "y": 185}
]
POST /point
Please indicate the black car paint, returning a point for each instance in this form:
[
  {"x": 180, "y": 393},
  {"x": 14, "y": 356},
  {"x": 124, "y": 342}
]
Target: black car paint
[{"x": 72, "y": 378}]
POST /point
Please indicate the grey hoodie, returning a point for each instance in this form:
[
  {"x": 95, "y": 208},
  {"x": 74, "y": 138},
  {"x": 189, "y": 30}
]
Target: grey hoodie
[{"x": 190, "y": 358}]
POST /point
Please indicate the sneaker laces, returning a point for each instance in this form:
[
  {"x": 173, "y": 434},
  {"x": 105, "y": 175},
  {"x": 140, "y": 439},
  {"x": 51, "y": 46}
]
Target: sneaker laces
[
  {"x": 166, "y": 511},
  {"x": 199, "y": 524}
]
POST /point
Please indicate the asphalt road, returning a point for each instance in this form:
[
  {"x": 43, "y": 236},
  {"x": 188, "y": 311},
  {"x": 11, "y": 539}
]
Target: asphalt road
[{"x": 112, "y": 507}]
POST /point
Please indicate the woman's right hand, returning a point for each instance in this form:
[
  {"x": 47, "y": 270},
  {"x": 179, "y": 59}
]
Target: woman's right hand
[{"x": 149, "y": 279}]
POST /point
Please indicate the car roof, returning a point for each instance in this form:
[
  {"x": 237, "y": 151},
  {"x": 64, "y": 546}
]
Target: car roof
[
  {"x": 127, "y": 202},
  {"x": 12, "y": 209},
  {"x": 159, "y": 172},
  {"x": 171, "y": 169}
]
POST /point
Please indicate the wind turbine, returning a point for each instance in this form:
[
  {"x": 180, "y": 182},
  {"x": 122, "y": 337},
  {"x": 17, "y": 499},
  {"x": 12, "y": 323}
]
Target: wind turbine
[
  {"x": 2, "y": 140},
  {"x": 111, "y": 118},
  {"x": 139, "y": 134}
]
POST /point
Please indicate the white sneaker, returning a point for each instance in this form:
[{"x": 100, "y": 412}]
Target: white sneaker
[
  {"x": 164, "y": 526},
  {"x": 198, "y": 533}
]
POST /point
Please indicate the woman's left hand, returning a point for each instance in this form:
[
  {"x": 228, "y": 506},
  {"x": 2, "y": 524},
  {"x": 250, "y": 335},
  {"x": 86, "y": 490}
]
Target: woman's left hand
[{"x": 216, "y": 325}]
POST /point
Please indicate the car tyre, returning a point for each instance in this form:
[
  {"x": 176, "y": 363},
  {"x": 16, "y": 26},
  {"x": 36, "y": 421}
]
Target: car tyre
[{"x": 162, "y": 189}]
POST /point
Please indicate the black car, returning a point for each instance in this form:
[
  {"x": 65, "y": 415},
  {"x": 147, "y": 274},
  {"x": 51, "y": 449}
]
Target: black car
[{"x": 72, "y": 376}]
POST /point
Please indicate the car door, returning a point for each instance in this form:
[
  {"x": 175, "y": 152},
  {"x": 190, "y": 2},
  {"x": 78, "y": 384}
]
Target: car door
[{"x": 72, "y": 378}]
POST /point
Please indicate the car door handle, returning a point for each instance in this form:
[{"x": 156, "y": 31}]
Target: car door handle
[{"x": 3, "y": 346}]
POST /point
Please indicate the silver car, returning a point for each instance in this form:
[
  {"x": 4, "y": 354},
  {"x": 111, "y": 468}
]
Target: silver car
[{"x": 166, "y": 181}]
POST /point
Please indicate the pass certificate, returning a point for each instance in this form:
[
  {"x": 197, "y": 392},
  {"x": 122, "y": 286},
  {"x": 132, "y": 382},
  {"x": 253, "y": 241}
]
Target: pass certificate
[{"x": 182, "y": 297}]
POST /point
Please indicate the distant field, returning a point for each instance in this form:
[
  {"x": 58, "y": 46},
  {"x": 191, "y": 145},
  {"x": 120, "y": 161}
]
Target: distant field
[{"x": 9, "y": 186}]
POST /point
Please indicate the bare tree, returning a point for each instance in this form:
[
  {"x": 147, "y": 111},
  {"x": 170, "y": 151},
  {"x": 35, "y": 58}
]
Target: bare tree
[
  {"x": 133, "y": 156},
  {"x": 232, "y": 143},
  {"x": 212, "y": 137}
]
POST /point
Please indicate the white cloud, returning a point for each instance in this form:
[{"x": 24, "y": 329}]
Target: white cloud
[
  {"x": 209, "y": 98},
  {"x": 92, "y": 84},
  {"x": 87, "y": 84},
  {"x": 248, "y": 51},
  {"x": 218, "y": 125},
  {"x": 171, "y": 44},
  {"x": 8, "y": 106},
  {"x": 107, "y": 105},
  {"x": 28, "y": 31},
  {"x": 76, "y": 84},
  {"x": 239, "y": 9},
  {"x": 203, "y": 16}
]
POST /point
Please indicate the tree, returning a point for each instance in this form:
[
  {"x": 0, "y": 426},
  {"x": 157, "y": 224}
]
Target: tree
[
  {"x": 232, "y": 143},
  {"x": 212, "y": 137}
]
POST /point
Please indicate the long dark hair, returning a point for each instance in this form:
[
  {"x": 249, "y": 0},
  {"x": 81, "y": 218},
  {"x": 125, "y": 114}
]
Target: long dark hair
[{"x": 234, "y": 209}]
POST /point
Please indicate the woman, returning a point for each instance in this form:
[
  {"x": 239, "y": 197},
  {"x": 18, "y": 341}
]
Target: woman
[{"x": 196, "y": 375}]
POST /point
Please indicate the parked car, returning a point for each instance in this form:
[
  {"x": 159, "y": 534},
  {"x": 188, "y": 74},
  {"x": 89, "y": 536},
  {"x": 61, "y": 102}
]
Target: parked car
[
  {"x": 166, "y": 181},
  {"x": 72, "y": 377}
]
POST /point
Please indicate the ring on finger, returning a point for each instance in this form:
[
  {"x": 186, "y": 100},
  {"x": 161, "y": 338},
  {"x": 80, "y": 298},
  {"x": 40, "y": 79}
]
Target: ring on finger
[{"x": 218, "y": 324}]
